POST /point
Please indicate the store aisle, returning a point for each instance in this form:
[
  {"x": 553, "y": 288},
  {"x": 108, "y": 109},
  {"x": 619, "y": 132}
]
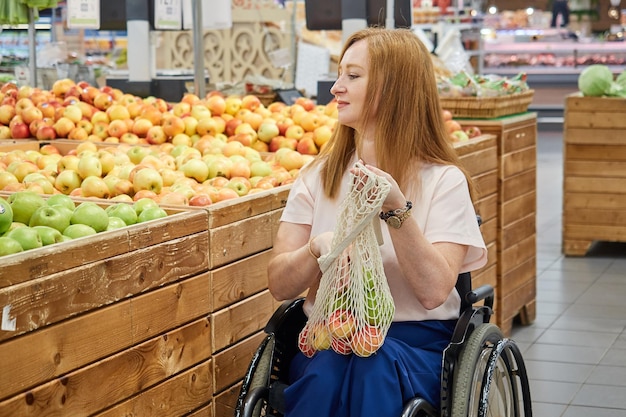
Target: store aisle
[{"x": 575, "y": 351}]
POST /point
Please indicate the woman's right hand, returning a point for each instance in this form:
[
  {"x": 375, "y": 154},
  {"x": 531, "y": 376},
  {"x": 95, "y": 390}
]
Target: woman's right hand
[{"x": 321, "y": 244}]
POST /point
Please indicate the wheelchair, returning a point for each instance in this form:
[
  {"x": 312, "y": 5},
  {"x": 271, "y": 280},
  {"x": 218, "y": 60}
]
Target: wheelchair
[{"x": 483, "y": 373}]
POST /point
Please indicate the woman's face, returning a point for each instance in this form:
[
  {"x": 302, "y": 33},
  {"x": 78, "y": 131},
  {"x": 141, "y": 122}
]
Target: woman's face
[{"x": 350, "y": 89}]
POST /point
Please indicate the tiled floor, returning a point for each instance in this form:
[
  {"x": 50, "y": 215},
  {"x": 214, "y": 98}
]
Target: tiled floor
[{"x": 575, "y": 350}]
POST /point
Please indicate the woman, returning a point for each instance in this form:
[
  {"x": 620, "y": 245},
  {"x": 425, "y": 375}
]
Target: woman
[{"x": 391, "y": 120}]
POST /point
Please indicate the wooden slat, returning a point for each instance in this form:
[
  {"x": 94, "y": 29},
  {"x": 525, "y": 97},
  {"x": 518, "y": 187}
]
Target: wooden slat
[
  {"x": 517, "y": 185},
  {"x": 517, "y": 254},
  {"x": 598, "y": 201},
  {"x": 512, "y": 210},
  {"x": 593, "y": 185},
  {"x": 48, "y": 300},
  {"x": 82, "y": 392},
  {"x": 231, "y": 364},
  {"x": 576, "y": 103},
  {"x": 595, "y": 119},
  {"x": 56, "y": 350},
  {"x": 599, "y": 152},
  {"x": 614, "y": 233},
  {"x": 239, "y": 280},
  {"x": 515, "y": 232},
  {"x": 607, "y": 169},
  {"x": 30, "y": 265},
  {"x": 518, "y": 277},
  {"x": 242, "y": 319},
  {"x": 519, "y": 138},
  {"x": 592, "y": 136},
  {"x": 589, "y": 216},
  {"x": 237, "y": 240},
  {"x": 486, "y": 184},
  {"x": 235, "y": 210},
  {"x": 175, "y": 397},
  {"x": 225, "y": 401},
  {"x": 518, "y": 162}
]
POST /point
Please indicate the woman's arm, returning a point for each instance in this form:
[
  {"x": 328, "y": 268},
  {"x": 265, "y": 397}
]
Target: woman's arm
[{"x": 293, "y": 266}]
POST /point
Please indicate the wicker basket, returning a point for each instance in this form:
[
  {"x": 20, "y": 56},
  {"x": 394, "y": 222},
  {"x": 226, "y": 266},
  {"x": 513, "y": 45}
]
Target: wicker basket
[{"x": 488, "y": 107}]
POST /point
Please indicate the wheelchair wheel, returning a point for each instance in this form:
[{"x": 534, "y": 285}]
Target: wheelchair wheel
[{"x": 488, "y": 377}]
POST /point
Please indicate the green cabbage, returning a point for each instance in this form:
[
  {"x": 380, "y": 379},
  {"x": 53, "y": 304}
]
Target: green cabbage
[
  {"x": 621, "y": 79},
  {"x": 595, "y": 80}
]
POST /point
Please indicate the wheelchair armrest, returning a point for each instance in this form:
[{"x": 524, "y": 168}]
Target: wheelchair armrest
[
  {"x": 254, "y": 396},
  {"x": 418, "y": 407},
  {"x": 484, "y": 292}
]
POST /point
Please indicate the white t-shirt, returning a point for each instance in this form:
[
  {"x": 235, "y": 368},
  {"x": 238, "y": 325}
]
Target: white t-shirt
[{"x": 443, "y": 210}]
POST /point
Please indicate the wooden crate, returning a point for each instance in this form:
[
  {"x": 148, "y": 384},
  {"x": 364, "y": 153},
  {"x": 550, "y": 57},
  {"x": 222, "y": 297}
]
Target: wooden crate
[
  {"x": 594, "y": 172},
  {"x": 479, "y": 156},
  {"x": 516, "y": 139},
  {"x": 157, "y": 318}
]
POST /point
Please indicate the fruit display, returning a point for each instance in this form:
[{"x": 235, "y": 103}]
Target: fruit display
[
  {"x": 458, "y": 132},
  {"x": 30, "y": 221}
]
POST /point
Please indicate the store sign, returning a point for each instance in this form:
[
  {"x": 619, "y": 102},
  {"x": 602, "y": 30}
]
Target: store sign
[
  {"x": 168, "y": 15},
  {"x": 83, "y": 14},
  {"x": 216, "y": 14}
]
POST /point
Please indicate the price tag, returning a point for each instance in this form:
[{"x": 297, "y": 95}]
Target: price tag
[
  {"x": 22, "y": 75},
  {"x": 168, "y": 15},
  {"x": 83, "y": 14}
]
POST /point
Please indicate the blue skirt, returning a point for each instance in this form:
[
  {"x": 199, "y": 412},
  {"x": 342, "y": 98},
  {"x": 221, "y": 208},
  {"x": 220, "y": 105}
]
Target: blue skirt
[{"x": 407, "y": 365}]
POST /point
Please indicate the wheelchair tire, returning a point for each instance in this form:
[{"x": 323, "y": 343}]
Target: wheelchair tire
[{"x": 484, "y": 383}]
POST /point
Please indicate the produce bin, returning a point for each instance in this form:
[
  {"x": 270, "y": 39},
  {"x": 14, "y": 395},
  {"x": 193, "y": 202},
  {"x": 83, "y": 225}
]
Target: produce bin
[
  {"x": 594, "y": 172},
  {"x": 516, "y": 139},
  {"x": 159, "y": 318}
]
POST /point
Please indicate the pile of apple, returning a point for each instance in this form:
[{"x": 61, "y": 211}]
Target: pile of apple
[
  {"x": 456, "y": 132},
  {"x": 210, "y": 171},
  {"x": 28, "y": 221},
  {"x": 84, "y": 112}
]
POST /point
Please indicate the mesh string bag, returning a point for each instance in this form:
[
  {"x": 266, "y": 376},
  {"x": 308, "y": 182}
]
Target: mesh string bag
[{"x": 353, "y": 307}]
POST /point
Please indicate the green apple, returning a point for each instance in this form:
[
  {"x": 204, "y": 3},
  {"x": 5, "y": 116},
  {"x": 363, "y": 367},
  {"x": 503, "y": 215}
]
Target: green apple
[
  {"x": 14, "y": 225},
  {"x": 6, "y": 215},
  {"x": 61, "y": 200},
  {"x": 49, "y": 235},
  {"x": 124, "y": 211},
  {"x": 55, "y": 217},
  {"x": 115, "y": 223},
  {"x": 24, "y": 204},
  {"x": 151, "y": 213},
  {"x": 9, "y": 245},
  {"x": 90, "y": 214},
  {"x": 144, "y": 203},
  {"x": 74, "y": 231},
  {"x": 260, "y": 169},
  {"x": 27, "y": 237}
]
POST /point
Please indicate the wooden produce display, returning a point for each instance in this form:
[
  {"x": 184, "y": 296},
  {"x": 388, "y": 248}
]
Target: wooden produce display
[
  {"x": 158, "y": 318},
  {"x": 479, "y": 156},
  {"x": 594, "y": 163},
  {"x": 516, "y": 140}
]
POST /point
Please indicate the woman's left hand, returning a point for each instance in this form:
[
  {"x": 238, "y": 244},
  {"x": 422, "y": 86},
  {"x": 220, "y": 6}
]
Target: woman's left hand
[{"x": 395, "y": 199}]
